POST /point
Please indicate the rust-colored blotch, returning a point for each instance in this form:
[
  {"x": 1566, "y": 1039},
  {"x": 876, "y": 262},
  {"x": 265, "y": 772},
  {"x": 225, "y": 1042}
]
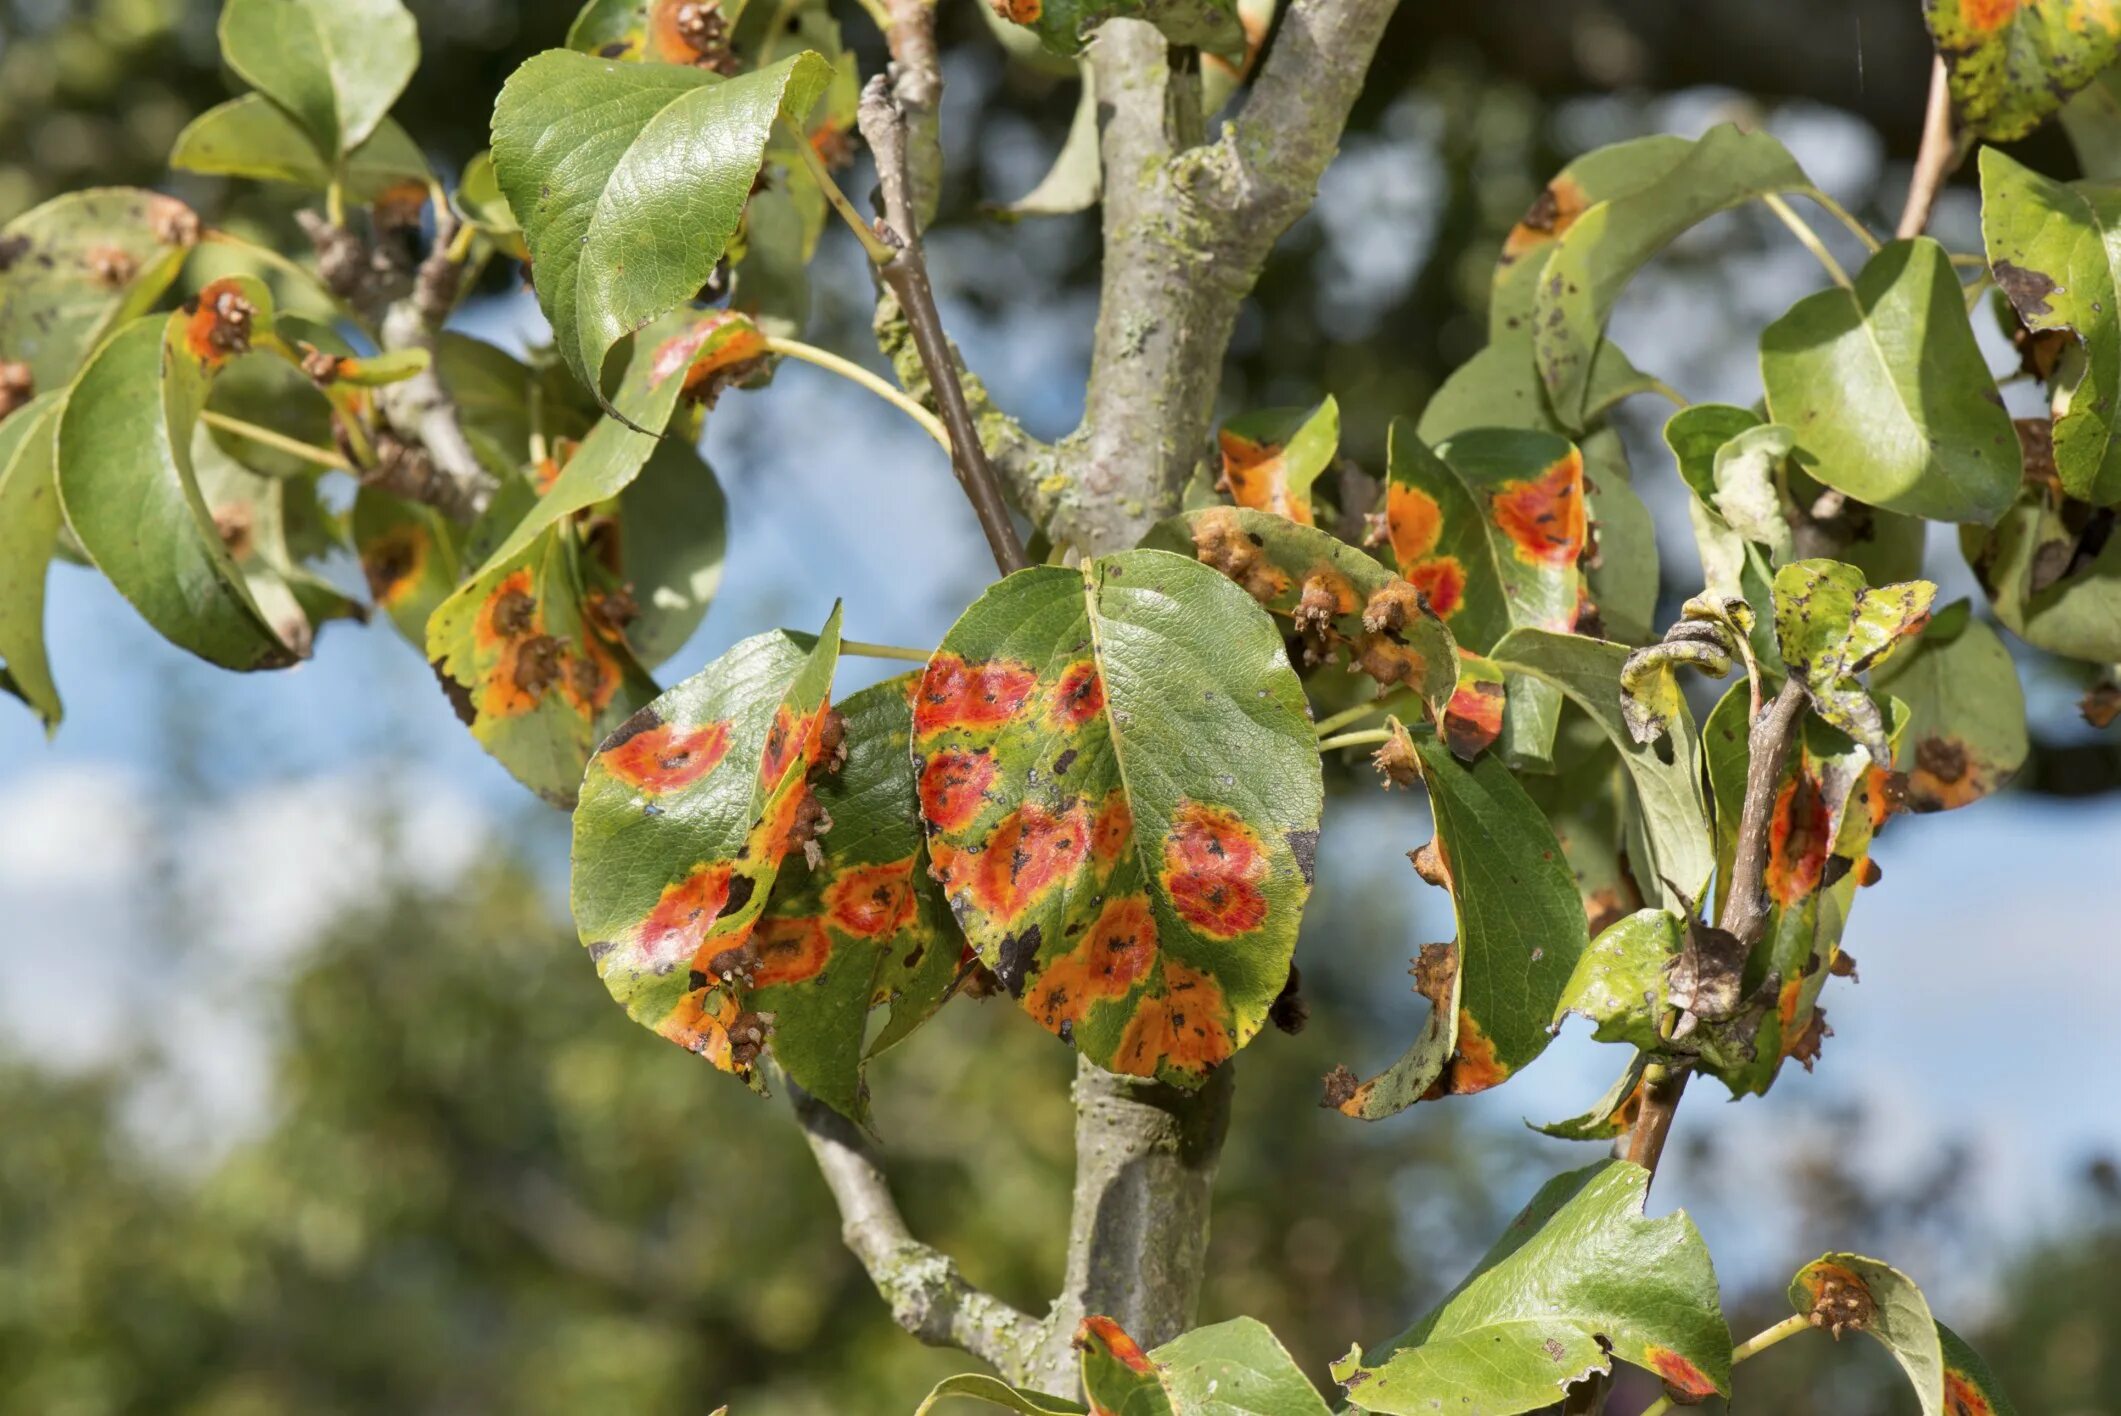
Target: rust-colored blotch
[
  {"x": 1105, "y": 1333},
  {"x": 1022, "y": 12},
  {"x": 510, "y": 611},
  {"x": 1080, "y": 695},
  {"x": 953, "y": 787},
  {"x": 1476, "y": 1067},
  {"x": 1442, "y": 582},
  {"x": 769, "y": 841},
  {"x": 1798, "y": 840},
  {"x": 1257, "y": 475},
  {"x": 1112, "y": 830},
  {"x": 1552, "y": 213},
  {"x": 700, "y": 1023},
  {"x": 1213, "y": 868},
  {"x": 1681, "y": 1375},
  {"x": 1113, "y": 957},
  {"x": 667, "y": 37},
  {"x": 1987, "y": 16},
  {"x": 394, "y": 562},
  {"x": 669, "y": 756},
  {"x": 872, "y": 901},
  {"x": 790, "y": 950},
  {"x": 682, "y": 916},
  {"x": 1181, "y": 1028},
  {"x": 1414, "y": 522},
  {"x": 1029, "y": 851},
  {"x": 590, "y": 677},
  {"x": 789, "y": 741},
  {"x": 955, "y": 694},
  {"x": 1544, "y": 516},
  {"x": 208, "y": 336},
  {"x": 1963, "y": 1395},
  {"x": 740, "y": 347}
]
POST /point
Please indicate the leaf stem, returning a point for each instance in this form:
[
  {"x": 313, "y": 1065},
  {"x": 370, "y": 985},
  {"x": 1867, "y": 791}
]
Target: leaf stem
[
  {"x": 1366, "y": 737},
  {"x": 1841, "y": 213},
  {"x": 1381, "y": 704},
  {"x": 1665, "y": 390},
  {"x": 1934, "y": 160},
  {"x": 266, "y": 437},
  {"x": 879, "y": 251},
  {"x": 1976, "y": 288},
  {"x": 335, "y": 202},
  {"x": 1753, "y": 1346},
  {"x": 1808, "y": 238},
  {"x": 862, "y": 650},
  {"x": 266, "y": 255},
  {"x": 855, "y": 373}
]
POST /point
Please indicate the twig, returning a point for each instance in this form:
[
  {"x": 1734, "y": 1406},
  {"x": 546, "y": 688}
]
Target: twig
[
  {"x": 1365, "y": 737},
  {"x": 862, "y": 650},
  {"x": 420, "y": 409},
  {"x": 1752, "y": 1347},
  {"x": 917, "y": 87},
  {"x": 854, "y": 373},
  {"x": 929, "y": 1297},
  {"x": 1745, "y": 908},
  {"x": 906, "y": 275},
  {"x": 1935, "y": 160}
]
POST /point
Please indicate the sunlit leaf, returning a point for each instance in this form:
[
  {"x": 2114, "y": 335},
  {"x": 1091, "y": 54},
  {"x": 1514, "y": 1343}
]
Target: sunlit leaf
[
  {"x": 1966, "y": 711},
  {"x": 2013, "y": 62},
  {"x": 1500, "y": 387},
  {"x": 1580, "y": 1277},
  {"x": 1236, "y": 1368},
  {"x": 1619, "y": 983},
  {"x": 30, "y": 519},
  {"x": 1598, "y": 175},
  {"x": 1970, "y": 1389},
  {"x": 125, "y": 476},
  {"x": 1076, "y": 179},
  {"x": 1613, "y": 1114},
  {"x": 629, "y": 180},
  {"x": 1271, "y": 458},
  {"x": 1135, "y": 895},
  {"x": 1831, "y": 627},
  {"x": 1888, "y": 393},
  {"x": 254, "y": 137},
  {"x": 1336, "y": 597},
  {"x": 336, "y": 66},
  {"x": 1620, "y": 563},
  {"x": 977, "y": 1386},
  {"x": 251, "y": 513},
  {"x": 687, "y": 814},
  {"x": 2052, "y": 248},
  {"x": 1846, "y": 1293},
  {"x": 1521, "y": 930},
  {"x": 77, "y": 267},
  {"x": 479, "y": 201}
]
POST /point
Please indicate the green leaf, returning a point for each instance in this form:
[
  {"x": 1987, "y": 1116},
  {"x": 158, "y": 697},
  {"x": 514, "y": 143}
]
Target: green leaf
[
  {"x": 251, "y": 511},
  {"x": 687, "y": 814},
  {"x": 30, "y": 519},
  {"x": 1620, "y": 562},
  {"x": 1966, "y": 711},
  {"x": 1677, "y": 854},
  {"x": 1077, "y": 177},
  {"x": 977, "y": 1386},
  {"x": 480, "y": 202},
  {"x": 1271, "y": 458},
  {"x": 1611, "y": 240},
  {"x": 2092, "y": 120},
  {"x": 629, "y": 180},
  {"x": 1499, "y": 387},
  {"x": 1236, "y": 1368},
  {"x": 1063, "y": 26},
  {"x": 501, "y": 401},
  {"x": 1134, "y": 895},
  {"x": 2012, "y": 64},
  {"x": 335, "y": 66},
  {"x": 1612, "y": 1115},
  {"x": 1848, "y": 1292},
  {"x": 1580, "y": 1277},
  {"x": 671, "y": 529},
  {"x": 1619, "y": 983},
  {"x": 1582, "y": 800},
  {"x": 867, "y": 924},
  {"x": 1521, "y": 932},
  {"x": 2053, "y": 576},
  {"x": 79, "y": 266},
  {"x": 2048, "y": 247},
  {"x": 1970, "y": 1389},
  {"x": 1831, "y": 628},
  {"x": 253, "y": 137},
  {"x": 1337, "y": 597},
  {"x": 1888, "y": 393},
  {"x": 125, "y": 476},
  {"x": 411, "y": 556}
]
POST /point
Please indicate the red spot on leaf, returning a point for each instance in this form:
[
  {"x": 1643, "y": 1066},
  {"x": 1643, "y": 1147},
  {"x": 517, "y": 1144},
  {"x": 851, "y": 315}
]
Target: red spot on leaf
[
  {"x": 668, "y": 757},
  {"x": 1473, "y": 718},
  {"x": 1105, "y": 1333},
  {"x": 1182, "y": 1028},
  {"x": 1476, "y": 1067},
  {"x": 1544, "y": 516},
  {"x": 1111, "y": 832},
  {"x": 872, "y": 901},
  {"x": 1987, "y": 16},
  {"x": 955, "y": 694},
  {"x": 791, "y": 739},
  {"x": 1213, "y": 868},
  {"x": 682, "y": 916},
  {"x": 1030, "y": 850},
  {"x": 220, "y": 323},
  {"x": 1798, "y": 840},
  {"x": 790, "y": 950},
  {"x": 1963, "y": 1395},
  {"x": 1414, "y": 522},
  {"x": 700, "y": 1023},
  {"x": 1681, "y": 1375},
  {"x": 1551, "y": 214},
  {"x": 1113, "y": 957},
  {"x": 1080, "y": 696},
  {"x": 1442, "y": 582},
  {"x": 953, "y": 787}
]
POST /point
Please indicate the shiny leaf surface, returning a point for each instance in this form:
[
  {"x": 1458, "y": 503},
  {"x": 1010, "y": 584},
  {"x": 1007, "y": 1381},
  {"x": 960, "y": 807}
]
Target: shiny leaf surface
[
  {"x": 254, "y": 137},
  {"x": 1850, "y": 1293},
  {"x": 335, "y": 66}
]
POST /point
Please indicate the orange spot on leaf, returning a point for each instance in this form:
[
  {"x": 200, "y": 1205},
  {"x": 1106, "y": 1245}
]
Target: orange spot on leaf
[
  {"x": 1182, "y": 1027},
  {"x": 1798, "y": 840},
  {"x": 1113, "y": 957},
  {"x": 790, "y": 950},
  {"x": 700, "y": 1023},
  {"x": 1544, "y": 516},
  {"x": 953, "y": 787},
  {"x": 1683, "y": 1376},
  {"x": 668, "y": 757},
  {"x": 791, "y": 739},
  {"x": 1963, "y": 1395},
  {"x": 220, "y": 323},
  {"x": 682, "y": 916},
  {"x": 1030, "y": 850},
  {"x": 955, "y": 694},
  {"x": 1473, "y": 718},
  {"x": 1080, "y": 696},
  {"x": 1213, "y": 868},
  {"x": 872, "y": 901},
  {"x": 393, "y": 563},
  {"x": 1112, "y": 830},
  {"x": 1552, "y": 213},
  {"x": 1105, "y": 1333},
  {"x": 1415, "y": 523},
  {"x": 1442, "y": 582},
  {"x": 1987, "y": 16},
  {"x": 1257, "y": 475},
  {"x": 1476, "y": 1067}
]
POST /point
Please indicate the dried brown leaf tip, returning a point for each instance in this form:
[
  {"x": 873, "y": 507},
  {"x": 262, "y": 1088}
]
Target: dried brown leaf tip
[
  {"x": 1841, "y": 1301},
  {"x": 1435, "y": 970},
  {"x": 2102, "y": 704},
  {"x": 1392, "y": 608},
  {"x": 1396, "y": 761},
  {"x": 18, "y": 385},
  {"x": 1805, "y": 1044},
  {"x": 1288, "y": 1011},
  {"x": 1340, "y": 1089},
  {"x": 321, "y": 367},
  {"x": 109, "y": 266}
]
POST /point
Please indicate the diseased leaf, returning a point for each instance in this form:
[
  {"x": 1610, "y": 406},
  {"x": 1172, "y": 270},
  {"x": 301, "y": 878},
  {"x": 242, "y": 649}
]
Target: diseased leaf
[
  {"x": 1969, "y": 1387},
  {"x": 657, "y": 549},
  {"x": 1676, "y": 856},
  {"x": 1337, "y": 597},
  {"x": 1613, "y": 1114},
  {"x": 1620, "y": 560},
  {"x": 1236, "y": 1368},
  {"x": 1601, "y": 174},
  {"x": 335, "y": 66},
  {"x": 978, "y": 1386},
  {"x": 1831, "y": 628},
  {"x": 1619, "y": 983},
  {"x": 1582, "y": 800},
  {"x": 125, "y": 475},
  {"x": 1117, "y": 1375},
  {"x": 865, "y": 926},
  {"x": 1710, "y": 634},
  {"x": 1748, "y": 494},
  {"x": 2054, "y": 250},
  {"x": 687, "y": 814},
  {"x": 1579, "y": 1277},
  {"x": 30, "y": 519},
  {"x": 1610, "y": 241},
  {"x": 79, "y": 266},
  {"x": 1888, "y": 393},
  {"x": 630, "y": 179},
  {"x": 1521, "y": 932},
  {"x": 1850, "y": 1293},
  {"x": 1271, "y": 458},
  {"x": 1966, "y": 711},
  {"x": 1135, "y": 896},
  {"x": 2010, "y": 63},
  {"x": 251, "y": 513},
  {"x": 2052, "y": 571},
  {"x": 254, "y": 137},
  {"x": 502, "y": 402},
  {"x": 411, "y": 556}
]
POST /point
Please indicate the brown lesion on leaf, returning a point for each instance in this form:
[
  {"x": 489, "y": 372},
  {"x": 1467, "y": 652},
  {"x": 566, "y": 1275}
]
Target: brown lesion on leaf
[
  {"x": 1396, "y": 761},
  {"x": 220, "y": 324},
  {"x": 1550, "y": 215},
  {"x": 1946, "y": 774},
  {"x": 693, "y": 32},
  {"x": 1221, "y": 542},
  {"x": 232, "y": 523},
  {"x": 171, "y": 222},
  {"x": 2027, "y": 290},
  {"x": 1810, "y": 1036},
  {"x": 1430, "y": 865},
  {"x": 18, "y": 385},
  {"x": 392, "y": 563},
  {"x": 1396, "y": 605},
  {"x": 1841, "y": 1301},
  {"x": 111, "y": 267},
  {"x": 2101, "y": 704}
]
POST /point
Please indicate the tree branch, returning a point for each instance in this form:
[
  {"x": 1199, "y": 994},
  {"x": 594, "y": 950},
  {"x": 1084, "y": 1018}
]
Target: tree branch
[
  {"x": 917, "y": 87},
  {"x": 1935, "y": 160},
  {"x": 1745, "y": 908},
  {"x": 906, "y": 276},
  {"x": 929, "y": 1297}
]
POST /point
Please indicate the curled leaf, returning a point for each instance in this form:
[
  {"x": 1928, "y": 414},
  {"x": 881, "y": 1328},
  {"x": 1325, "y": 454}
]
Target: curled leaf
[{"x": 1831, "y": 627}]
